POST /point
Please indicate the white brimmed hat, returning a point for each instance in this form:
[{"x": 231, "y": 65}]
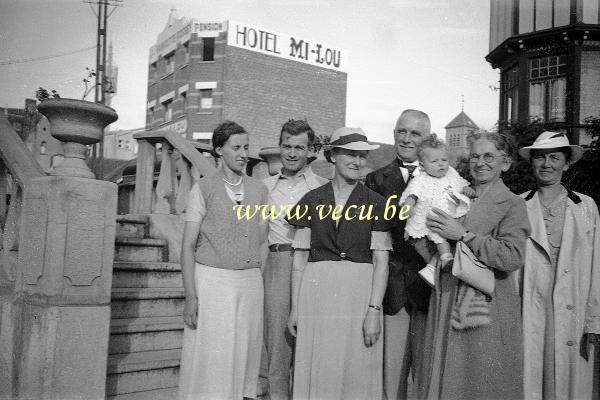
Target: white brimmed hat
[
  {"x": 552, "y": 140},
  {"x": 351, "y": 139}
]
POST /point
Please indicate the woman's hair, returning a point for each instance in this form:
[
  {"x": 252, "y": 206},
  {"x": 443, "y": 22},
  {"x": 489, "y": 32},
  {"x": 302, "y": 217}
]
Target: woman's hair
[
  {"x": 223, "y": 132},
  {"x": 565, "y": 150},
  {"x": 327, "y": 154},
  {"x": 501, "y": 142},
  {"x": 430, "y": 142}
]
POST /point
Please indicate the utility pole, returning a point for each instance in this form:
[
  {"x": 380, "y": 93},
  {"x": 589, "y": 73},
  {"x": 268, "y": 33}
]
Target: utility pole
[{"x": 100, "y": 86}]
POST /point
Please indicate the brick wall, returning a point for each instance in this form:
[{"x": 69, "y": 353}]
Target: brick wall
[{"x": 261, "y": 92}]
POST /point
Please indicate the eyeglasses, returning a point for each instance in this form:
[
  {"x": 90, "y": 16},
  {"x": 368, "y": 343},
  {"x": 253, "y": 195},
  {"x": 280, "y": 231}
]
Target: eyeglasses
[
  {"x": 487, "y": 157},
  {"x": 402, "y": 132}
]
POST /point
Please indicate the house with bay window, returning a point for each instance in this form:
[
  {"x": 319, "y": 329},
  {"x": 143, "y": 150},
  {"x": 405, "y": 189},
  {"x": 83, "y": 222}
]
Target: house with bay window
[{"x": 548, "y": 54}]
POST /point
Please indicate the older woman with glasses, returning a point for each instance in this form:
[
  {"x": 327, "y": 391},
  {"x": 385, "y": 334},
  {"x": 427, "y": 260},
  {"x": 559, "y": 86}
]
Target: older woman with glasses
[
  {"x": 476, "y": 340},
  {"x": 561, "y": 277}
]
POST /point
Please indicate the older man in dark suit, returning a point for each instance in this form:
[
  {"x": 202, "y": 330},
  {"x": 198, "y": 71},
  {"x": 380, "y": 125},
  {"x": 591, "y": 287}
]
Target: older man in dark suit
[{"x": 407, "y": 295}]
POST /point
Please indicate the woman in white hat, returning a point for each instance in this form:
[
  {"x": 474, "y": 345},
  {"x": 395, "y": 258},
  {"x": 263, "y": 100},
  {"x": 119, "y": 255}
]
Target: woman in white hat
[
  {"x": 339, "y": 279},
  {"x": 561, "y": 277}
]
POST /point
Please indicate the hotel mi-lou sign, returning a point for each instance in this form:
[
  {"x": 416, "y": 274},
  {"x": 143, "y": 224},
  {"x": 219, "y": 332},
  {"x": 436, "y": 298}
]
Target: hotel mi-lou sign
[{"x": 286, "y": 46}]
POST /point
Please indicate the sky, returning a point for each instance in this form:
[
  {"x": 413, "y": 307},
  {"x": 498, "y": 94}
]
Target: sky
[{"x": 422, "y": 54}]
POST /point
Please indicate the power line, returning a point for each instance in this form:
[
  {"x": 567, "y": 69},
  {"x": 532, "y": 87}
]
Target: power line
[{"x": 26, "y": 60}]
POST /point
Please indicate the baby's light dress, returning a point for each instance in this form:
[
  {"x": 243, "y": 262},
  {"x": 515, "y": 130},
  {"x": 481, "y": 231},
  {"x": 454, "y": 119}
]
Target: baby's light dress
[{"x": 434, "y": 192}]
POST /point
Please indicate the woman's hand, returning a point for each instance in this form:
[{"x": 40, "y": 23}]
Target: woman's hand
[
  {"x": 371, "y": 327},
  {"x": 190, "y": 312},
  {"x": 444, "y": 225},
  {"x": 293, "y": 322}
]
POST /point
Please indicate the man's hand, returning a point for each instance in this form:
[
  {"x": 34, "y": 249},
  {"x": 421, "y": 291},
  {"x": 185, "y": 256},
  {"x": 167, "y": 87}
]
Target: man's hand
[
  {"x": 586, "y": 340},
  {"x": 469, "y": 192}
]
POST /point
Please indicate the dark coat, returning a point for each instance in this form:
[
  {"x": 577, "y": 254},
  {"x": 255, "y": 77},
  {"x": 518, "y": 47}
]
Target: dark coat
[{"x": 405, "y": 287}]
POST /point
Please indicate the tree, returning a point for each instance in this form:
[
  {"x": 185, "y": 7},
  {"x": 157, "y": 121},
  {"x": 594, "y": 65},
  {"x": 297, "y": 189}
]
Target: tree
[
  {"x": 583, "y": 176},
  {"x": 519, "y": 178},
  {"x": 320, "y": 141},
  {"x": 42, "y": 94}
]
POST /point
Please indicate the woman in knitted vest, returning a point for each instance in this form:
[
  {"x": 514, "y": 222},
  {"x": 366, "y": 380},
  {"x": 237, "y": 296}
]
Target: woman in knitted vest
[{"x": 221, "y": 258}]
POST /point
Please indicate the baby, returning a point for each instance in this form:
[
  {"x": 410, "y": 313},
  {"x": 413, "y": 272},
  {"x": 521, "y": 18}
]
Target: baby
[{"x": 440, "y": 186}]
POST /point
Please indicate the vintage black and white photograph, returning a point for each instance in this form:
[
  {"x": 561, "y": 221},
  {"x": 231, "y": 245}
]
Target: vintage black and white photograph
[{"x": 300, "y": 200}]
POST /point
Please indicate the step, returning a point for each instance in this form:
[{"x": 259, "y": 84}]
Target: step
[
  {"x": 146, "y": 274},
  {"x": 146, "y": 302},
  {"x": 148, "y": 324},
  {"x": 145, "y": 341},
  {"x": 139, "y": 249},
  {"x": 150, "y": 279},
  {"x": 132, "y": 225},
  {"x": 142, "y": 371},
  {"x": 146, "y": 266},
  {"x": 155, "y": 293},
  {"x": 158, "y": 394}
]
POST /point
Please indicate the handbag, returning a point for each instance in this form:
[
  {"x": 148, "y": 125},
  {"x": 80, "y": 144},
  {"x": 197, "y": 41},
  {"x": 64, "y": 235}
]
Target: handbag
[{"x": 470, "y": 270}]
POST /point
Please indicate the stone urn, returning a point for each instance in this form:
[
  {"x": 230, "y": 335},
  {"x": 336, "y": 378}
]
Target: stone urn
[
  {"x": 77, "y": 124},
  {"x": 273, "y": 158}
]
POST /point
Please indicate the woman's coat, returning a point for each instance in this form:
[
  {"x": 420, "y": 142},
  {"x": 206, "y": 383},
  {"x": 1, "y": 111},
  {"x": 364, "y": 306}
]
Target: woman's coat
[{"x": 576, "y": 297}]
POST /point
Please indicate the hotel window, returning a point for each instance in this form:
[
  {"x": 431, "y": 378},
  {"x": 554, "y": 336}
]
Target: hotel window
[
  {"x": 168, "y": 106},
  {"x": 184, "y": 101},
  {"x": 208, "y": 49},
  {"x": 150, "y": 115},
  {"x": 510, "y": 94},
  {"x": 548, "y": 88},
  {"x": 152, "y": 71},
  {"x": 206, "y": 99},
  {"x": 170, "y": 64}
]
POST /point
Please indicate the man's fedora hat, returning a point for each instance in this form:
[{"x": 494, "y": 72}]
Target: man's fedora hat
[
  {"x": 552, "y": 140},
  {"x": 351, "y": 139}
]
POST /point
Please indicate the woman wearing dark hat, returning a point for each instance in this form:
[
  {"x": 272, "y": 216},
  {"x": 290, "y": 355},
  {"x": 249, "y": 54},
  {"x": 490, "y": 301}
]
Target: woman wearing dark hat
[
  {"x": 339, "y": 278},
  {"x": 221, "y": 257},
  {"x": 561, "y": 277}
]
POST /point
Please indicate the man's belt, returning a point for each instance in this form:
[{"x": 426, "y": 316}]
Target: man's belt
[{"x": 281, "y": 247}]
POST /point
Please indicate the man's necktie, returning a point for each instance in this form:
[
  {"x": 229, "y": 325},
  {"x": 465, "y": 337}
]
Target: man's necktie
[{"x": 411, "y": 170}]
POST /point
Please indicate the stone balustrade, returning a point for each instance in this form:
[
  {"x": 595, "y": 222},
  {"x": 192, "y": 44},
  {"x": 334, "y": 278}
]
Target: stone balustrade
[
  {"x": 182, "y": 162},
  {"x": 56, "y": 260}
]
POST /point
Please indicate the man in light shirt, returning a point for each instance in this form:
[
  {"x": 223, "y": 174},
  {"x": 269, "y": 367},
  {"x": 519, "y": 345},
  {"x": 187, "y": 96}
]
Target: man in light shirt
[
  {"x": 407, "y": 295},
  {"x": 296, "y": 143}
]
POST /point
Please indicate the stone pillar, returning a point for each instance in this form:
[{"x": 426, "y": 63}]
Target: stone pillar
[
  {"x": 61, "y": 309},
  {"x": 63, "y": 287}
]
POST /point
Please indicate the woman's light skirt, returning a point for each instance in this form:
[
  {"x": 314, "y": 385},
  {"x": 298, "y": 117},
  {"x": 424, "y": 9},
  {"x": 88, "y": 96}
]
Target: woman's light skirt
[
  {"x": 221, "y": 357},
  {"x": 332, "y": 361}
]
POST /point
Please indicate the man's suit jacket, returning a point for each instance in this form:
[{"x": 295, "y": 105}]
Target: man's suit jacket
[{"x": 405, "y": 287}]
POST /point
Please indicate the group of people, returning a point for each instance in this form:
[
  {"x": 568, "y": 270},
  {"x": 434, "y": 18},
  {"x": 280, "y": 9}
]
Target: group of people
[{"x": 335, "y": 299}]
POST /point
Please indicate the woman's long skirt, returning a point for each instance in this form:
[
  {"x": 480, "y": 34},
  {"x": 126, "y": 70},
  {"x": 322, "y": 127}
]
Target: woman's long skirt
[
  {"x": 332, "y": 361},
  {"x": 221, "y": 357}
]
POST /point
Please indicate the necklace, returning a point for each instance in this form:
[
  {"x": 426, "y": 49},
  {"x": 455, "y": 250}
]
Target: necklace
[
  {"x": 558, "y": 199},
  {"x": 233, "y": 184}
]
